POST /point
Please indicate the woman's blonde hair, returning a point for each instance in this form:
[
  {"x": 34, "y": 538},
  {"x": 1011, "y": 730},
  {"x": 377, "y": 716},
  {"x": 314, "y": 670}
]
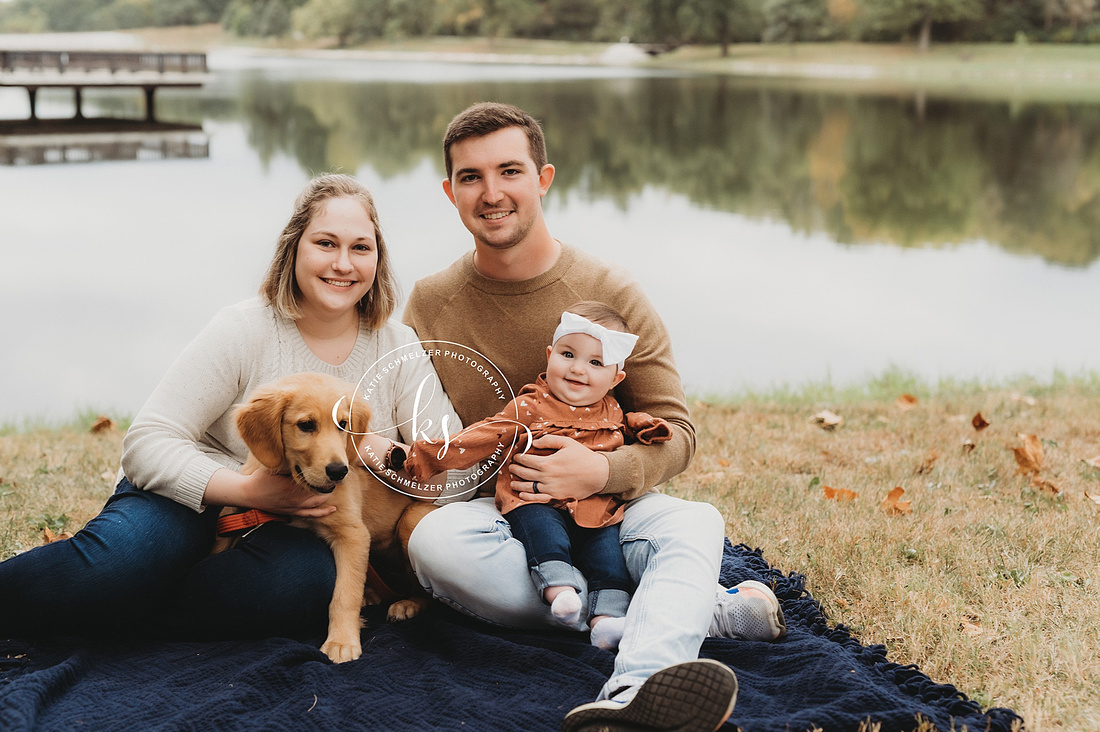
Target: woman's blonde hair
[{"x": 280, "y": 289}]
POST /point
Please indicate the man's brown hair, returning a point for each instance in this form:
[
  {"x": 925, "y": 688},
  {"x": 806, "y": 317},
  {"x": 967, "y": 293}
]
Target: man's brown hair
[{"x": 484, "y": 118}]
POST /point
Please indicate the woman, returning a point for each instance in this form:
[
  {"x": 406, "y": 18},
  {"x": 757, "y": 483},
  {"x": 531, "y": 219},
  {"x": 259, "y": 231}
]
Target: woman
[{"x": 143, "y": 563}]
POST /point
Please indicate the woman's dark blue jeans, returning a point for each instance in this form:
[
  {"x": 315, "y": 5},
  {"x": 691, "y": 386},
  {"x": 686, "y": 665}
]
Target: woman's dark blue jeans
[
  {"x": 554, "y": 544},
  {"x": 143, "y": 566}
]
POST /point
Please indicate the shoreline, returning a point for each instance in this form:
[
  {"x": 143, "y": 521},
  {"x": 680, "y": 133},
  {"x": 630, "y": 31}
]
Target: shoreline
[{"x": 1014, "y": 72}]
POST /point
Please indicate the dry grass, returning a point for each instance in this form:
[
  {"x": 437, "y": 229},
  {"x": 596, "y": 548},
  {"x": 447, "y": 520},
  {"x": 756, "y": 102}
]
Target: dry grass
[
  {"x": 990, "y": 583},
  {"x": 53, "y": 478}
]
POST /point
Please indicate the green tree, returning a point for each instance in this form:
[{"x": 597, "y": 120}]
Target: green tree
[
  {"x": 902, "y": 16},
  {"x": 795, "y": 20},
  {"x": 259, "y": 17},
  {"x": 722, "y": 21}
]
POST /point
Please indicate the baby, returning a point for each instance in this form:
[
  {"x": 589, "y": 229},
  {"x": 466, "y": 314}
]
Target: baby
[{"x": 584, "y": 363}]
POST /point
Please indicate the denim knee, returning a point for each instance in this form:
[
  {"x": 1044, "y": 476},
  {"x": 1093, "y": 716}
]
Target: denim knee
[{"x": 278, "y": 581}]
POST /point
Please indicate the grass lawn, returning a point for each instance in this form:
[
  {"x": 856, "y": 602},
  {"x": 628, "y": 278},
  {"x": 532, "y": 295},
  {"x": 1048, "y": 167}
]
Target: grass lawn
[{"x": 987, "y": 581}]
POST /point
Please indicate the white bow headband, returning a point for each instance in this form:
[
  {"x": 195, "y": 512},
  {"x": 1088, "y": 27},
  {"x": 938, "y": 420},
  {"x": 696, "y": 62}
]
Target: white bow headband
[{"x": 616, "y": 344}]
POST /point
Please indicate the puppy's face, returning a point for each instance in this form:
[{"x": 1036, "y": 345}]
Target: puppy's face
[{"x": 305, "y": 425}]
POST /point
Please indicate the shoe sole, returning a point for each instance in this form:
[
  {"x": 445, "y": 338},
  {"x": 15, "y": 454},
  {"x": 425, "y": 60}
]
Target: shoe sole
[{"x": 696, "y": 696}]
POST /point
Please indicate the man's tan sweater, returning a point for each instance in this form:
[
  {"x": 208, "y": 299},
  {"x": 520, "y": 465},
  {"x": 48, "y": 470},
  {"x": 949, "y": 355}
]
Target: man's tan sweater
[{"x": 512, "y": 323}]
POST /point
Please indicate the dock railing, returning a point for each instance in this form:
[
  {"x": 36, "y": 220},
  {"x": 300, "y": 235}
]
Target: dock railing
[{"x": 113, "y": 61}]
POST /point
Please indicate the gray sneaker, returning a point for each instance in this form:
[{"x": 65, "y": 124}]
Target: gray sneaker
[
  {"x": 696, "y": 696},
  {"x": 749, "y": 611}
]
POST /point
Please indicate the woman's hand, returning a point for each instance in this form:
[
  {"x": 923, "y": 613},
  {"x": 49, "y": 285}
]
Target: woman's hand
[
  {"x": 266, "y": 491},
  {"x": 572, "y": 471}
]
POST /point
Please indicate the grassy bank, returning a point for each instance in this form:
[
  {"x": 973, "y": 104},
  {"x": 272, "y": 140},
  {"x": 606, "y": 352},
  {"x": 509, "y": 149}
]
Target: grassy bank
[
  {"x": 1018, "y": 73},
  {"x": 989, "y": 581}
]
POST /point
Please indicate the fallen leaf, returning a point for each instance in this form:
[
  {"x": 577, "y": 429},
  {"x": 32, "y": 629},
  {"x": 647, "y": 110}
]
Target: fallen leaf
[
  {"x": 48, "y": 537},
  {"x": 1094, "y": 462},
  {"x": 893, "y": 506},
  {"x": 929, "y": 461},
  {"x": 724, "y": 463},
  {"x": 1028, "y": 400},
  {"x": 1045, "y": 486},
  {"x": 827, "y": 420},
  {"x": 906, "y": 401},
  {"x": 1029, "y": 456},
  {"x": 104, "y": 424},
  {"x": 979, "y": 422},
  {"x": 839, "y": 494},
  {"x": 970, "y": 629},
  {"x": 968, "y": 446},
  {"x": 1094, "y": 499}
]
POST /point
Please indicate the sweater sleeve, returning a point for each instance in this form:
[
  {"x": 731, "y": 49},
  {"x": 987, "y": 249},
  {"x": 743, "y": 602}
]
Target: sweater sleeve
[
  {"x": 422, "y": 409},
  {"x": 652, "y": 385},
  {"x": 162, "y": 451},
  {"x": 479, "y": 441}
]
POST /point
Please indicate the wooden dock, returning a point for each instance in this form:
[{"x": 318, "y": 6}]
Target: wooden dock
[{"x": 80, "y": 70}]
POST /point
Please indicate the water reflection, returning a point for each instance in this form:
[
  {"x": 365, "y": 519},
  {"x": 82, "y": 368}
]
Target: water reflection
[
  {"x": 861, "y": 170},
  {"x": 784, "y": 235},
  {"x": 83, "y": 141}
]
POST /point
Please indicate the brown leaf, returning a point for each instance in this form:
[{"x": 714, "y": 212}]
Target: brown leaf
[
  {"x": 1044, "y": 485},
  {"x": 979, "y": 422},
  {"x": 48, "y": 537},
  {"x": 906, "y": 401},
  {"x": 1029, "y": 456},
  {"x": 970, "y": 629},
  {"x": 929, "y": 461},
  {"x": 893, "y": 506},
  {"x": 104, "y": 424},
  {"x": 1094, "y": 462},
  {"x": 1091, "y": 497},
  {"x": 827, "y": 420},
  {"x": 839, "y": 494},
  {"x": 724, "y": 463},
  {"x": 968, "y": 446}
]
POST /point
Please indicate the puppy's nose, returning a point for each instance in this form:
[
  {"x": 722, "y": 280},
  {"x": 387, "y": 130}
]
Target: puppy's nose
[{"x": 336, "y": 471}]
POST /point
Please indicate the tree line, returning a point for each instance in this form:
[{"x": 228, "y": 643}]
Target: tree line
[{"x": 665, "y": 23}]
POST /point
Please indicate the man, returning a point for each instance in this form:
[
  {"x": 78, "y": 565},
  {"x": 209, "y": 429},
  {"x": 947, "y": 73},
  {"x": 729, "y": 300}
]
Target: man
[{"x": 503, "y": 300}]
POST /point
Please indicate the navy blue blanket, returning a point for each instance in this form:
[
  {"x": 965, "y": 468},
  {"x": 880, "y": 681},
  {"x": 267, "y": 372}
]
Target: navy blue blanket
[{"x": 442, "y": 671}]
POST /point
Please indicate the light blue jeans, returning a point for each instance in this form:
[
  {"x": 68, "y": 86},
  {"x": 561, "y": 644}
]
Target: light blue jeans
[{"x": 465, "y": 555}]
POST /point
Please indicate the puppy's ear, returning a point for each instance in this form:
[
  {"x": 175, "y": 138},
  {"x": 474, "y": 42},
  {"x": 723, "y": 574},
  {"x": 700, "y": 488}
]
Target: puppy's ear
[
  {"x": 358, "y": 421},
  {"x": 260, "y": 422}
]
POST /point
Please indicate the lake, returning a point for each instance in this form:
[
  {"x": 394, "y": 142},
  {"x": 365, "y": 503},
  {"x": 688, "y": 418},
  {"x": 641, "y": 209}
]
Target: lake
[{"x": 786, "y": 236}]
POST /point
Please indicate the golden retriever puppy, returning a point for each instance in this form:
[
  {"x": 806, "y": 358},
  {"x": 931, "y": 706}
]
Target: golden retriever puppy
[{"x": 306, "y": 426}]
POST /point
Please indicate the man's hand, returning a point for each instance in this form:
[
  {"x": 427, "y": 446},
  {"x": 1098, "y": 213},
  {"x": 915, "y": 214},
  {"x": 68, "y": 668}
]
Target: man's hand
[{"x": 573, "y": 471}]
